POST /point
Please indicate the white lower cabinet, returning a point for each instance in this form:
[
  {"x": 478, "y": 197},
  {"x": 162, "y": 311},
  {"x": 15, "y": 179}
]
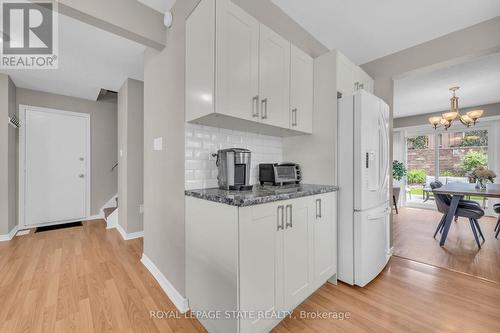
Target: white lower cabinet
[{"x": 286, "y": 250}]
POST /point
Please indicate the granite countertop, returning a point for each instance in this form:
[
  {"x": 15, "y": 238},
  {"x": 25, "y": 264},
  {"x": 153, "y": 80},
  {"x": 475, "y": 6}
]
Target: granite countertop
[{"x": 259, "y": 194}]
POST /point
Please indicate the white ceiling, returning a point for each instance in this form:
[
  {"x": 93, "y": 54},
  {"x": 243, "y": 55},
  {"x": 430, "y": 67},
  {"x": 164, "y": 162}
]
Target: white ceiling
[
  {"x": 365, "y": 30},
  {"x": 159, "y": 5},
  {"x": 479, "y": 82},
  {"x": 89, "y": 59}
]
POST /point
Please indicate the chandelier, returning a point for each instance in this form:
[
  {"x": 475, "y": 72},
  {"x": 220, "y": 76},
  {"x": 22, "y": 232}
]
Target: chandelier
[{"x": 447, "y": 118}]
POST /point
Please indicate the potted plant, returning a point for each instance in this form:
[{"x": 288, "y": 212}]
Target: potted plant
[
  {"x": 398, "y": 170},
  {"x": 483, "y": 176}
]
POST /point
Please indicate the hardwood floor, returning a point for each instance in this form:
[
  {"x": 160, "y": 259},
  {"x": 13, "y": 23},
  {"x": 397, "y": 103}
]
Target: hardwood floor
[
  {"x": 88, "y": 279},
  {"x": 413, "y": 231}
]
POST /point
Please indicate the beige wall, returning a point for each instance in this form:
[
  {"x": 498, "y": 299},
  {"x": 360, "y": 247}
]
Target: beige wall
[
  {"x": 8, "y": 157},
  {"x": 130, "y": 152},
  {"x": 490, "y": 110},
  {"x": 127, "y": 18},
  {"x": 103, "y": 130},
  {"x": 164, "y": 170},
  {"x": 450, "y": 49}
]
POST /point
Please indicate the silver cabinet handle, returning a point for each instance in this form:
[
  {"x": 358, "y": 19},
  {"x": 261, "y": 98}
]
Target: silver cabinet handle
[
  {"x": 81, "y": 175},
  {"x": 255, "y": 106},
  {"x": 294, "y": 117},
  {"x": 263, "y": 107},
  {"x": 356, "y": 85},
  {"x": 289, "y": 218},
  {"x": 280, "y": 221},
  {"x": 318, "y": 209},
  {"x": 361, "y": 86}
]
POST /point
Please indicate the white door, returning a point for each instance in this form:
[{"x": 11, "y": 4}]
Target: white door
[
  {"x": 237, "y": 57},
  {"x": 56, "y": 155},
  {"x": 301, "y": 90},
  {"x": 274, "y": 78},
  {"x": 371, "y": 151},
  {"x": 370, "y": 243},
  {"x": 261, "y": 262},
  {"x": 325, "y": 236},
  {"x": 297, "y": 252}
]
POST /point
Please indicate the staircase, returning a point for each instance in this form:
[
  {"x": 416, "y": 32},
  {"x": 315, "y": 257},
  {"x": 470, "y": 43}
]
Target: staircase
[{"x": 111, "y": 216}]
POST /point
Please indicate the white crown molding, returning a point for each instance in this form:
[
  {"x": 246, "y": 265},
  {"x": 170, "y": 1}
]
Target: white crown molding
[{"x": 179, "y": 301}]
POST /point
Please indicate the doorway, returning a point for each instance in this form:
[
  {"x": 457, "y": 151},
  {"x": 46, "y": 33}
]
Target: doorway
[{"x": 54, "y": 166}]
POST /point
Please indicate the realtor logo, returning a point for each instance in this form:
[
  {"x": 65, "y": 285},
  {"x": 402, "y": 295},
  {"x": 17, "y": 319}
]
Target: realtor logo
[{"x": 29, "y": 33}]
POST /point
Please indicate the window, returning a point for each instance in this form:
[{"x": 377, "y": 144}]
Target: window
[{"x": 452, "y": 155}]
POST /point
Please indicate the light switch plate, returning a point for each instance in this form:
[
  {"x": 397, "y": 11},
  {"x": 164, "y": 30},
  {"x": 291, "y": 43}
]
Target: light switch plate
[{"x": 158, "y": 144}]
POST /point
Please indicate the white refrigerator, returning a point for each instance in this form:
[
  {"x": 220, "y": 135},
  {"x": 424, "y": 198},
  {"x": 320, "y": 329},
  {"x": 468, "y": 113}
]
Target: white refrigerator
[{"x": 363, "y": 176}]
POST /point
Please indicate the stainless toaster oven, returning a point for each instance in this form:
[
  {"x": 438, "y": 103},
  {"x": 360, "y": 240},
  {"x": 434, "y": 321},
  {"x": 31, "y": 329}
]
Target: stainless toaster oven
[{"x": 279, "y": 173}]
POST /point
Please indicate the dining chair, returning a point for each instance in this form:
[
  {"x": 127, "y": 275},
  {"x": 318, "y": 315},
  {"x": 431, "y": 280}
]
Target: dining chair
[
  {"x": 496, "y": 208},
  {"x": 466, "y": 208}
]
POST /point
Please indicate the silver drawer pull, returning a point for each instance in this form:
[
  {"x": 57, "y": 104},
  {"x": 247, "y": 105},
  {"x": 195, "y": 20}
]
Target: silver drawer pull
[
  {"x": 280, "y": 220},
  {"x": 263, "y": 107},
  {"x": 289, "y": 218},
  {"x": 255, "y": 106},
  {"x": 318, "y": 209}
]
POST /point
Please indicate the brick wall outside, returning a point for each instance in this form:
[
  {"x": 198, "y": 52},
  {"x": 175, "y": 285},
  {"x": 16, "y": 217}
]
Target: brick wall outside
[{"x": 450, "y": 159}]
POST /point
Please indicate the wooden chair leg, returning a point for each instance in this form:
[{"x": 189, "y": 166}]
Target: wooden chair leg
[
  {"x": 471, "y": 221},
  {"x": 498, "y": 224},
  {"x": 476, "y": 222}
]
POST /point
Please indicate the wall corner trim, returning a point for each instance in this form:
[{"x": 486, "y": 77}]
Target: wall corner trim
[
  {"x": 179, "y": 301},
  {"x": 10, "y": 235}
]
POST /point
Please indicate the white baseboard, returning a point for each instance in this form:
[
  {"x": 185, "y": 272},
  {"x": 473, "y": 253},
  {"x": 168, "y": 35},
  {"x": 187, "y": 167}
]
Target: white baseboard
[
  {"x": 128, "y": 236},
  {"x": 10, "y": 235},
  {"x": 179, "y": 301},
  {"x": 99, "y": 216}
]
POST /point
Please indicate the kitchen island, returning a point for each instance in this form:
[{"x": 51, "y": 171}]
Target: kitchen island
[{"x": 253, "y": 256}]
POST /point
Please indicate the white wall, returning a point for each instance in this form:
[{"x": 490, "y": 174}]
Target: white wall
[
  {"x": 130, "y": 155},
  {"x": 203, "y": 141}
]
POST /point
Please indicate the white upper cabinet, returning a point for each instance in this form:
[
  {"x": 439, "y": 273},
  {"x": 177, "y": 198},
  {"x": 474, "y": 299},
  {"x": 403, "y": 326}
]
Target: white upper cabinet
[
  {"x": 301, "y": 90},
  {"x": 274, "y": 78},
  {"x": 351, "y": 77},
  {"x": 237, "y": 61},
  {"x": 238, "y": 73}
]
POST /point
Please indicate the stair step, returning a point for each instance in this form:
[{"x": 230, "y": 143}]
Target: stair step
[{"x": 108, "y": 211}]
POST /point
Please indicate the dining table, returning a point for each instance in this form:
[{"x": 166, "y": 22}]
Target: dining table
[{"x": 458, "y": 191}]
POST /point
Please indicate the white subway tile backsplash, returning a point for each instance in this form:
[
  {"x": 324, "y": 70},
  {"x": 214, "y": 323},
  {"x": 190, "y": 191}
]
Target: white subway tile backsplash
[{"x": 203, "y": 141}]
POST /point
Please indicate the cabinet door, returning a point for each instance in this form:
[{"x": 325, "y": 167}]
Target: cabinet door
[
  {"x": 325, "y": 238},
  {"x": 260, "y": 270},
  {"x": 297, "y": 252},
  {"x": 301, "y": 90},
  {"x": 237, "y": 59},
  {"x": 274, "y": 78},
  {"x": 346, "y": 76}
]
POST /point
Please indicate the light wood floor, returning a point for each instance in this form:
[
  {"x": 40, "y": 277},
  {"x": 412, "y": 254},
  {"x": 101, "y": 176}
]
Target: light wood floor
[
  {"x": 413, "y": 231},
  {"x": 90, "y": 280}
]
